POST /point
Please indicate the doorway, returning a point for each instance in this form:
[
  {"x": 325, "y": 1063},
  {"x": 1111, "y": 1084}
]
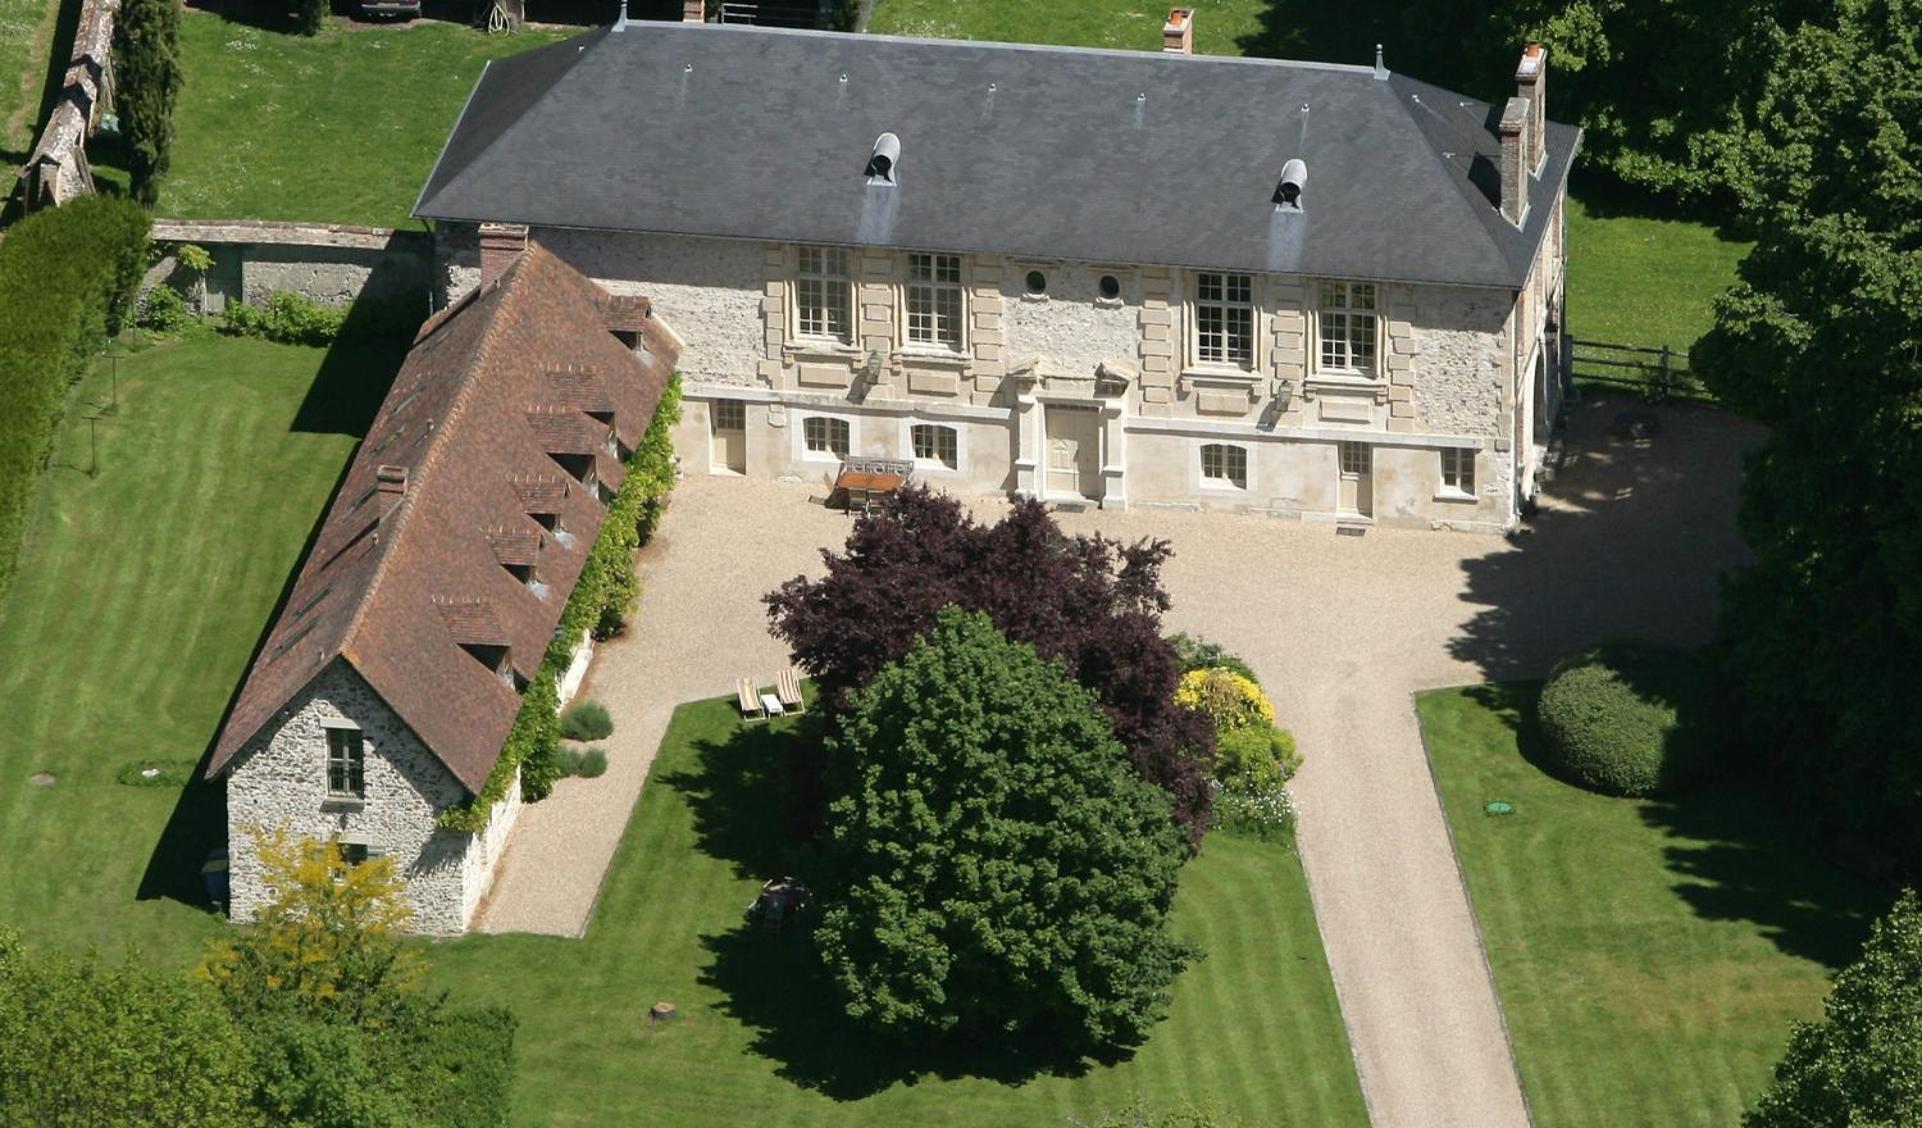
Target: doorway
[
  {"x": 727, "y": 421},
  {"x": 1074, "y": 451},
  {"x": 1356, "y": 495}
]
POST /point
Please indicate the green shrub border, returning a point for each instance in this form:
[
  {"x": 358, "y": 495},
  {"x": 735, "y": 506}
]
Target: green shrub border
[
  {"x": 602, "y": 600},
  {"x": 67, "y": 281}
]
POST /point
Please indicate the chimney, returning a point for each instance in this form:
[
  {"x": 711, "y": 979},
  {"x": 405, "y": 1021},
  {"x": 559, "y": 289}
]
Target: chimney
[
  {"x": 1530, "y": 79},
  {"x": 693, "y": 11},
  {"x": 1178, "y": 34},
  {"x": 500, "y": 245},
  {"x": 390, "y": 479},
  {"x": 1514, "y": 134}
]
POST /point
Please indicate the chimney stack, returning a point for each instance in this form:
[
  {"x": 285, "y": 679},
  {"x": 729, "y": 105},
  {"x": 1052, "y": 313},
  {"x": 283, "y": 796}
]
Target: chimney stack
[
  {"x": 693, "y": 11},
  {"x": 500, "y": 245},
  {"x": 1530, "y": 82},
  {"x": 1178, "y": 34},
  {"x": 1513, "y": 130}
]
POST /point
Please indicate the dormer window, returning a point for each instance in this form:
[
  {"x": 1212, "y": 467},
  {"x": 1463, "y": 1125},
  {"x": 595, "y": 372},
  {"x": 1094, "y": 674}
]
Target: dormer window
[
  {"x": 580, "y": 467},
  {"x": 499, "y": 659}
]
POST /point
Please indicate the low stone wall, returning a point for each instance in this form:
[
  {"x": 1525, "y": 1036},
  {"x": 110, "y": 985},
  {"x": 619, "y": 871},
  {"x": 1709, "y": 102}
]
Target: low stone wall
[
  {"x": 57, "y": 169},
  {"x": 334, "y": 264}
]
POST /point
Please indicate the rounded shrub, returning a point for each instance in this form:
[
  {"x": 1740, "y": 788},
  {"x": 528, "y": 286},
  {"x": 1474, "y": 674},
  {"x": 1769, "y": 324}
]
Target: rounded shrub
[
  {"x": 1617, "y": 717},
  {"x": 1256, "y": 756},
  {"x": 586, "y": 720},
  {"x": 1229, "y": 699},
  {"x": 593, "y": 764}
]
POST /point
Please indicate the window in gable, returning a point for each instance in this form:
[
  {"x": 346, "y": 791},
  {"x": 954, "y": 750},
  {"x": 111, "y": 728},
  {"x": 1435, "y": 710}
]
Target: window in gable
[{"x": 346, "y": 764}]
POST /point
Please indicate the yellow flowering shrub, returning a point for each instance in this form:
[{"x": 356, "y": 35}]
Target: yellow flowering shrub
[{"x": 1230, "y": 700}]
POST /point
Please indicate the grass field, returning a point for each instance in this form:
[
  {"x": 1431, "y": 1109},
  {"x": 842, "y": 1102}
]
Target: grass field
[
  {"x": 1254, "y": 1030},
  {"x": 340, "y": 128},
  {"x": 1649, "y": 955},
  {"x": 141, "y": 592},
  {"x": 26, "y": 38}
]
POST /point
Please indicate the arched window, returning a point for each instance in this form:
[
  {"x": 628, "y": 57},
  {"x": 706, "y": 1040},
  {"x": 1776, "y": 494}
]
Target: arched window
[
  {"x": 936, "y": 444},
  {"x": 1224, "y": 465},
  {"x": 825, "y": 435}
]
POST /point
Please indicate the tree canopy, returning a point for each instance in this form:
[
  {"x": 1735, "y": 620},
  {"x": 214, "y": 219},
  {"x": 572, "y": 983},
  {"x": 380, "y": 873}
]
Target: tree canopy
[
  {"x": 1091, "y": 603},
  {"x": 998, "y": 867},
  {"x": 1862, "y": 1064},
  {"x": 146, "y": 55},
  {"x": 1820, "y": 340}
]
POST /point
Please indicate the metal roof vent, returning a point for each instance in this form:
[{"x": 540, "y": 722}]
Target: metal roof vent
[
  {"x": 881, "y": 162},
  {"x": 1294, "y": 178}
]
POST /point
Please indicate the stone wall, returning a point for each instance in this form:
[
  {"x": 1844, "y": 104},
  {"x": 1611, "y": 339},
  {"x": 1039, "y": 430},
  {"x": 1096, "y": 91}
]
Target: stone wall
[
  {"x": 279, "y": 780},
  {"x": 57, "y": 170},
  {"x": 1457, "y": 366},
  {"x": 333, "y": 264}
]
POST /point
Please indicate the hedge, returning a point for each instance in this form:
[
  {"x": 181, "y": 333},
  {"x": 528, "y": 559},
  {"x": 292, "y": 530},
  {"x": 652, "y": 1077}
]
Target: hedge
[
  {"x": 602, "y": 599},
  {"x": 1624, "y": 718},
  {"x": 67, "y": 280}
]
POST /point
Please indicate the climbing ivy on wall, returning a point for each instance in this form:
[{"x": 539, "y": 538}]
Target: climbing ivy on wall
[{"x": 603, "y": 598}]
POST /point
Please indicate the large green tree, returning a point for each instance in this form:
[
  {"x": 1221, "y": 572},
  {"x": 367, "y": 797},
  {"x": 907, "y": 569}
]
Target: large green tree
[
  {"x": 1861, "y": 1065},
  {"x": 1000, "y": 866},
  {"x": 87, "y": 1043},
  {"x": 1822, "y": 341},
  {"x": 146, "y": 53}
]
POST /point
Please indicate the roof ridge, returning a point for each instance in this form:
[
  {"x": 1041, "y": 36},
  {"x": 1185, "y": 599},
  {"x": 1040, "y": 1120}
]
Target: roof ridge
[{"x": 431, "y": 457}]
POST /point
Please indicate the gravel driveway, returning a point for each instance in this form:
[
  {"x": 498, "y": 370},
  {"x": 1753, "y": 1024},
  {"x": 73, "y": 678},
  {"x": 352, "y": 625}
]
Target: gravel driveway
[{"x": 1343, "y": 630}]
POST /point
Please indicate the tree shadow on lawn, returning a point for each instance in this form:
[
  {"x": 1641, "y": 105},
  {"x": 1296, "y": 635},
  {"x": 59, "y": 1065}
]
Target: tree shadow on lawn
[
  {"x": 1733, "y": 854},
  {"x": 773, "y": 983}
]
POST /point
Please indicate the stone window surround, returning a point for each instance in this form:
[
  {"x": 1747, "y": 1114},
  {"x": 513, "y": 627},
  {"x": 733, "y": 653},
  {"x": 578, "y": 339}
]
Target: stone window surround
[
  {"x": 1342, "y": 377},
  {"x": 801, "y": 452},
  {"x": 1192, "y": 364},
  {"x": 343, "y": 799},
  {"x": 804, "y": 342},
  {"x": 1201, "y": 483},
  {"x": 904, "y": 438},
  {"x": 1446, "y": 492},
  {"x": 961, "y": 349}
]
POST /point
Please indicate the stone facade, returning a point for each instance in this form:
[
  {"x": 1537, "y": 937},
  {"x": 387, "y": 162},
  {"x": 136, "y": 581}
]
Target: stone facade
[
  {"x": 279, "y": 780},
  {"x": 1457, "y": 369}
]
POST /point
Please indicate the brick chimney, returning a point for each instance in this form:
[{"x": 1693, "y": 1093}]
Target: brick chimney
[
  {"x": 500, "y": 245},
  {"x": 693, "y": 11},
  {"x": 1513, "y": 130},
  {"x": 1178, "y": 34},
  {"x": 1531, "y": 78}
]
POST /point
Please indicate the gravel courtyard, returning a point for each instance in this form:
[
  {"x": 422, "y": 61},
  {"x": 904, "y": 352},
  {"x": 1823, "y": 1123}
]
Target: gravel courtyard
[{"x": 1343, "y": 630}]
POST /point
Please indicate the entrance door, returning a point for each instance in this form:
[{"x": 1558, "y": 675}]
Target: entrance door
[
  {"x": 1356, "y": 497},
  {"x": 1074, "y": 451},
  {"x": 728, "y": 434}
]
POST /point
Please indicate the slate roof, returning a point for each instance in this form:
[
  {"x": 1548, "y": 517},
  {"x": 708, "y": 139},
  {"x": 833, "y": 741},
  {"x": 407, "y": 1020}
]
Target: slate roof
[
  {"x": 398, "y": 579},
  {"x": 1047, "y": 152}
]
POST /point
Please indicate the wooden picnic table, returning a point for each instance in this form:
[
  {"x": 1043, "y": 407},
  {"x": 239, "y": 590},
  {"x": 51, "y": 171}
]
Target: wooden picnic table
[{"x": 867, "y": 485}]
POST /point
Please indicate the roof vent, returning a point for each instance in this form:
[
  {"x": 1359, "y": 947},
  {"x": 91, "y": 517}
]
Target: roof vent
[
  {"x": 390, "y": 479},
  {"x": 1294, "y": 178},
  {"x": 881, "y": 162}
]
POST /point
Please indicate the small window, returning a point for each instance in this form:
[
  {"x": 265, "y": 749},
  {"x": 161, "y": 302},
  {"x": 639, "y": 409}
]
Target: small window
[
  {"x": 1458, "y": 470},
  {"x": 729, "y": 415},
  {"x": 824, "y": 295},
  {"x": 1225, "y": 319},
  {"x": 355, "y": 853},
  {"x": 1347, "y": 320},
  {"x": 1037, "y": 282},
  {"x": 824, "y": 435},
  {"x": 346, "y": 764},
  {"x": 934, "y": 300},
  {"x": 1110, "y": 287},
  {"x": 1355, "y": 459},
  {"x": 934, "y": 443},
  {"x": 1224, "y": 465}
]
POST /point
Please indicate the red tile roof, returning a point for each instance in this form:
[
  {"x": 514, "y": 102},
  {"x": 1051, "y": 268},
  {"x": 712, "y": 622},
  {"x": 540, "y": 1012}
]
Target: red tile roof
[{"x": 399, "y": 579}]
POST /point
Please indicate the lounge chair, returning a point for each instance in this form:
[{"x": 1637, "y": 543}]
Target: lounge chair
[
  {"x": 749, "y": 700},
  {"x": 787, "y": 685}
]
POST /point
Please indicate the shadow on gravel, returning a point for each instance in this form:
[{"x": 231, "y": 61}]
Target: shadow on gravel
[{"x": 773, "y": 983}]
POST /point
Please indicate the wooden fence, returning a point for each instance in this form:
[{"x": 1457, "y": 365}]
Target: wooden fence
[
  {"x": 773, "y": 13},
  {"x": 1660, "y": 373}
]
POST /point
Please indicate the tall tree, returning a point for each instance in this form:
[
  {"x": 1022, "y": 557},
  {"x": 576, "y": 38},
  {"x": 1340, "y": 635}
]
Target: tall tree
[
  {"x": 1821, "y": 341},
  {"x": 1000, "y": 868},
  {"x": 146, "y": 53},
  {"x": 1091, "y": 603},
  {"x": 1861, "y": 1065}
]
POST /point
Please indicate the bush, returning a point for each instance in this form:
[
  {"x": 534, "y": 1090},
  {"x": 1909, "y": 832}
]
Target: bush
[
  {"x": 1200, "y": 654},
  {"x": 1229, "y": 699},
  {"x": 163, "y": 310},
  {"x": 593, "y": 764},
  {"x": 67, "y": 280},
  {"x": 1256, "y": 755},
  {"x": 1256, "y": 810},
  {"x": 289, "y": 318},
  {"x": 1613, "y": 717},
  {"x": 586, "y": 720}
]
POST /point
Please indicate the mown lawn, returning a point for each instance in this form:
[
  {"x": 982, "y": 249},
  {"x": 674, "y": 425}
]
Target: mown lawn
[
  {"x": 1649, "y": 955},
  {"x": 1128, "y": 25},
  {"x": 1254, "y": 1030},
  {"x": 340, "y": 128},
  {"x": 26, "y": 39},
  {"x": 142, "y": 589}
]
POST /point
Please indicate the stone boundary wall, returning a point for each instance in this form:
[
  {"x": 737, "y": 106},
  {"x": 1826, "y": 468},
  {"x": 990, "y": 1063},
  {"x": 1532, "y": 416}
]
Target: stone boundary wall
[
  {"x": 334, "y": 264},
  {"x": 57, "y": 170}
]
